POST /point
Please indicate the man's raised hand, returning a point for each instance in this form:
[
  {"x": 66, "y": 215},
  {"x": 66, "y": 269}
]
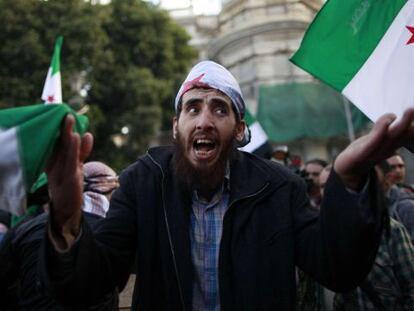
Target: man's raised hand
[
  {"x": 65, "y": 177},
  {"x": 387, "y": 135}
]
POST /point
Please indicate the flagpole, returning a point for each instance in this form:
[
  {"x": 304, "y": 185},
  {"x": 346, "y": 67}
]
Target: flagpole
[{"x": 348, "y": 116}]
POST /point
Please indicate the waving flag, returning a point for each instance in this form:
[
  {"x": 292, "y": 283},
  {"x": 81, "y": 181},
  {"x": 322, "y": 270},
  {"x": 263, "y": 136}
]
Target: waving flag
[
  {"x": 364, "y": 49},
  {"x": 27, "y": 137},
  {"x": 52, "y": 91},
  {"x": 259, "y": 143}
]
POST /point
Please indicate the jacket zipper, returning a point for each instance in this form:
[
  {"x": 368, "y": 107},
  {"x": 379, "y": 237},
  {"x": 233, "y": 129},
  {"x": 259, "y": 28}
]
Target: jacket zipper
[
  {"x": 230, "y": 206},
  {"x": 168, "y": 231}
]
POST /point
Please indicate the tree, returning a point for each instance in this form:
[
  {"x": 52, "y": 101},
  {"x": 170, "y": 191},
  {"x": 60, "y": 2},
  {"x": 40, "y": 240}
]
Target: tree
[
  {"x": 136, "y": 89},
  {"x": 28, "y": 33},
  {"x": 126, "y": 59}
]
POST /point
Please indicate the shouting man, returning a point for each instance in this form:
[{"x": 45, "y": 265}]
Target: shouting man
[{"x": 207, "y": 227}]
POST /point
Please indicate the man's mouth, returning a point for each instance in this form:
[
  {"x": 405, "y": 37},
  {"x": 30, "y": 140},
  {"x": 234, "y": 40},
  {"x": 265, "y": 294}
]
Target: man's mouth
[{"x": 204, "y": 148}]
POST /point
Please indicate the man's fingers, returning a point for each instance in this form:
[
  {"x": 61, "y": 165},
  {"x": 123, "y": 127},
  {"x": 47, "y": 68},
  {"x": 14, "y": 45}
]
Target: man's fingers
[
  {"x": 71, "y": 156},
  {"x": 401, "y": 128},
  {"x": 62, "y": 142},
  {"x": 68, "y": 123},
  {"x": 384, "y": 121},
  {"x": 86, "y": 146},
  {"x": 379, "y": 132}
]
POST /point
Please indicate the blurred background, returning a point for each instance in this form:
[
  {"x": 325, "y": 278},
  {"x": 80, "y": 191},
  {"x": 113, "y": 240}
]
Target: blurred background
[{"x": 122, "y": 61}]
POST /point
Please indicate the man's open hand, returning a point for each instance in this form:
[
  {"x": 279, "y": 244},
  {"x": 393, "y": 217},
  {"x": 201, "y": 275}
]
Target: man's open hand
[
  {"x": 65, "y": 176},
  {"x": 387, "y": 135}
]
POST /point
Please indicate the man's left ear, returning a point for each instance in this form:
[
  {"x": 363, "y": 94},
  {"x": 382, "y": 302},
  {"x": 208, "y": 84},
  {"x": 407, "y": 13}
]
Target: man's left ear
[{"x": 241, "y": 126}]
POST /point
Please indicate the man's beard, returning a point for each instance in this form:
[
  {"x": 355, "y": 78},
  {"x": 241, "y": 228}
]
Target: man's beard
[{"x": 204, "y": 179}]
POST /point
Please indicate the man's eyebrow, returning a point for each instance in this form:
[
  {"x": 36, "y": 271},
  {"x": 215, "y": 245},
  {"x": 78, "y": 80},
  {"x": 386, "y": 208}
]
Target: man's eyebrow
[
  {"x": 220, "y": 100},
  {"x": 214, "y": 99},
  {"x": 191, "y": 100}
]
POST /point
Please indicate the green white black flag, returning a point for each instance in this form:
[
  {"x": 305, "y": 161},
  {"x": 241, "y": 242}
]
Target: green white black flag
[
  {"x": 258, "y": 138},
  {"x": 364, "y": 49},
  {"x": 52, "y": 90},
  {"x": 27, "y": 137}
]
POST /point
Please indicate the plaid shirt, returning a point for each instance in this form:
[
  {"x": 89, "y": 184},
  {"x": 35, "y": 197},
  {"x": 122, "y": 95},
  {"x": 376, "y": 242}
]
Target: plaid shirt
[
  {"x": 391, "y": 277},
  {"x": 206, "y": 226}
]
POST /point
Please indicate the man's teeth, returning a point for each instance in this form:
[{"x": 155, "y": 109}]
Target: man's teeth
[{"x": 204, "y": 141}]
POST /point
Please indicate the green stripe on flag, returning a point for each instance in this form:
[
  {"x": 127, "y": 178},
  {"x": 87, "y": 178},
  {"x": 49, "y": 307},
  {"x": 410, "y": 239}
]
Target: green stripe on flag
[
  {"x": 56, "y": 56},
  {"x": 38, "y": 127},
  {"x": 342, "y": 37},
  {"x": 248, "y": 118}
]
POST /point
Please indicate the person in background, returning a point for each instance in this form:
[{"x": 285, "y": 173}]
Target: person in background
[
  {"x": 311, "y": 172},
  {"x": 100, "y": 181},
  {"x": 281, "y": 155},
  {"x": 20, "y": 288},
  {"x": 390, "y": 284},
  {"x": 313, "y": 168},
  {"x": 400, "y": 202},
  {"x": 396, "y": 172}
]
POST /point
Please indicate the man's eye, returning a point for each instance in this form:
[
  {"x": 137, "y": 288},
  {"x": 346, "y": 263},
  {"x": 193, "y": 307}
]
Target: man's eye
[
  {"x": 192, "y": 110},
  {"x": 221, "y": 111}
]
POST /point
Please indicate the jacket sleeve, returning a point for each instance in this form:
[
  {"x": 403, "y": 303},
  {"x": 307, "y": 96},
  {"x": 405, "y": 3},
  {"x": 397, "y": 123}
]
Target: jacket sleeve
[
  {"x": 9, "y": 273},
  {"x": 100, "y": 261},
  {"x": 339, "y": 247}
]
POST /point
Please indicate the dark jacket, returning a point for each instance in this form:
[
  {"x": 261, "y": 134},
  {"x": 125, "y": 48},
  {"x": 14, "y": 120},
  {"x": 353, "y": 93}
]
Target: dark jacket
[
  {"x": 20, "y": 288},
  {"x": 267, "y": 231}
]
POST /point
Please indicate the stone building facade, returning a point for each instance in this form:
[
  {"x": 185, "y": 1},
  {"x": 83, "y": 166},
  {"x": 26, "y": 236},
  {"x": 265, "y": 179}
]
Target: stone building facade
[{"x": 254, "y": 39}]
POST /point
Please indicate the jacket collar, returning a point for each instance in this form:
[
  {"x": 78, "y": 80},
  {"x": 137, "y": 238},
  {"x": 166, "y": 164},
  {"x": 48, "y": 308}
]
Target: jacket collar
[{"x": 248, "y": 173}]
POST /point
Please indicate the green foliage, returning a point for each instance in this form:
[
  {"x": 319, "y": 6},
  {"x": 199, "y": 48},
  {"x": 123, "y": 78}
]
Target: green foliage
[
  {"x": 129, "y": 56},
  {"x": 30, "y": 30}
]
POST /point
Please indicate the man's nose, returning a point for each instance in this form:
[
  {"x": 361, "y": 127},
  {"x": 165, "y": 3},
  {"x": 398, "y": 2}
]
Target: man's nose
[{"x": 205, "y": 120}]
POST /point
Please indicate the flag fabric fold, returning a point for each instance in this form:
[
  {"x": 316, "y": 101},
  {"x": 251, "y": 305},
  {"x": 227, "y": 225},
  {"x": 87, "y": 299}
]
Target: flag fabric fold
[
  {"x": 364, "y": 49},
  {"x": 27, "y": 137},
  {"x": 52, "y": 90},
  {"x": 259, "y": 143}
]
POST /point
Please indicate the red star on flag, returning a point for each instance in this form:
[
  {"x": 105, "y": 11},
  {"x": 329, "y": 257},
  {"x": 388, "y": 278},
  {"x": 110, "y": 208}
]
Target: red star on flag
[
  {"x": 50, "y": 98},
  {"x": 411, "y": 29}
]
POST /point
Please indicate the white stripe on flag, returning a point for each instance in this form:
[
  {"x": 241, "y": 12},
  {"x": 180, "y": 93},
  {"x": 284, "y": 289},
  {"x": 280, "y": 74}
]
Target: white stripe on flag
[
  {"x": 52, "y": 91},
  {"x": 385, "y": 82},
  {"x": 258, "y": 137},
  {"x": 12, "y": 190}
]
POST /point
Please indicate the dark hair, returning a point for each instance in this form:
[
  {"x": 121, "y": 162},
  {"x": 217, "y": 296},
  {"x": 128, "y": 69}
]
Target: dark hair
[
  {"x": 384, "y": 166},
  {"x": 318, "y": 161}
]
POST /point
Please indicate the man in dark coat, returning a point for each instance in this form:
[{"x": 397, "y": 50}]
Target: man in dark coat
[
  {"x": 209, "y": 227},
  {"x": 400, "y": 201},
  {"x": 20, "y": 288}
]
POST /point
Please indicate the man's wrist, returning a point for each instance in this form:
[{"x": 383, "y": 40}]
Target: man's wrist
[
  {"x": 354, "y": 182},
  {"x": 64, "y": 235}
]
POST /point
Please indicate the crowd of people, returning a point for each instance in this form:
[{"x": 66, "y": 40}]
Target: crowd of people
[
  {"x": 204, "y": 226},
  {"x": 390, "y": 283}
]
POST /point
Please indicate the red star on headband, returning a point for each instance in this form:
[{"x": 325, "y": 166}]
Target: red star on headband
[{"x": 194, "y": 83}]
